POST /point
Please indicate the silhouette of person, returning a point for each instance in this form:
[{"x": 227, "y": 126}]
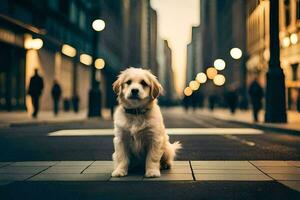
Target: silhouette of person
[
  {"x": 232, "y": 99},
  {"x": 256, "y": 94},
  {"x": 36, "y": 86},
  {"x": 212, "y": 100},
  {"x": 56, "y": 94},
  {"x": 186, "y": 102}
]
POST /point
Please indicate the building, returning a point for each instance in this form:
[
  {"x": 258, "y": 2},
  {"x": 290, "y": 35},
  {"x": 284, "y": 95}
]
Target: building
[
  {"x": 69, "y": 49},
  {"x": 258, "y": 44},
  {"x": 165, "y": 72},
  {"x": 222, "y": 27},
  {"x": 32, "y": 35},
  {"x": 194, "y": 55}
]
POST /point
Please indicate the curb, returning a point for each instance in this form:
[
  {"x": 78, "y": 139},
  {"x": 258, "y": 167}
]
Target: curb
[
  {"x": 24, "y": 124},
  {"x": 263, "y": 127}
]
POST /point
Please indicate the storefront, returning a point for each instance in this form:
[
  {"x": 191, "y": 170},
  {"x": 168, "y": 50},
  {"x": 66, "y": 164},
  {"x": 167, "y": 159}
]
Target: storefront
[{"x": 12, "y": 71}]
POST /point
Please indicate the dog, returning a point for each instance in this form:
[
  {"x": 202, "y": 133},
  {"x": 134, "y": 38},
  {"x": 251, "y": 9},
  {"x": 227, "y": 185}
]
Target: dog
[{"x": 138, "y": 125}]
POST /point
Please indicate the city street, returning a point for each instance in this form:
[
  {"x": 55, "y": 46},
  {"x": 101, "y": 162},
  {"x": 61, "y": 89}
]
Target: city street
[{"x": 203, "y": 138}]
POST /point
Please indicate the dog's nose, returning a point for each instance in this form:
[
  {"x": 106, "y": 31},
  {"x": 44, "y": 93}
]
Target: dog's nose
[{"x": 134, "y": 92}]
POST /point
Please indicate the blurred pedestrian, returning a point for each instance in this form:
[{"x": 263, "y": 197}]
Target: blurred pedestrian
[
  {"x": 256, "y": 96},
  {"x": 186, "y": 102},
  {"x": 232, "y": 99},
  {"x": 212, "y": 100},
  {"x": 56, "y": 94},
  {"x": 36, "y": 86}
]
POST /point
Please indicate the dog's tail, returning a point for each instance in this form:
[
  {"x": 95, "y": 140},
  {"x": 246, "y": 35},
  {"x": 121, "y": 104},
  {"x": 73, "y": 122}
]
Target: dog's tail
[{"x": 175, "y": 147}]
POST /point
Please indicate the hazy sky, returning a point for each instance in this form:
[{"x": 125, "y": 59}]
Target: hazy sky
[{"x": 175, "y": 19}]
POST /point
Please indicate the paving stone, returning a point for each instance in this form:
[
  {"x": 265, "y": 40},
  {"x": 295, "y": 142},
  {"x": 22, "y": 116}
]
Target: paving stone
[
  {"x": 285, "y": 177},
  {"x": 179, "y": 162},
  {"x": 171, "y": 177},
  {"x": 70, "y": 177},
  {"x": 280, "y": 170},
  {"x": 35, "y": 163},
  {"x": 227, "y": 171},
  {"x": 177, "y": 171},
  {"x": 295, "y": 185},
  {"x": 270, "y": 163},
  {"x": 99, "y": 169},
  {"x": 73, "y": 163},
  {"x": 14, "y": 177},
  {"x": 222, "y": 165},
  {"x": 127, "y": 178},
  {"x": 65, "y": 169},
  {"x": 21, "y": 169},
  {"x": 103, "y": 162},
  {"x": 232, "y": 177}
]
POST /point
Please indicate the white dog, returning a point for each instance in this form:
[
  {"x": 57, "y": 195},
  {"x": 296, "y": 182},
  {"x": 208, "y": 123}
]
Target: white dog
[{"x": 138, "y": 124}]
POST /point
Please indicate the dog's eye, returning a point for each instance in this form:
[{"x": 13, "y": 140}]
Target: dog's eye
[
  {"x": 128, "y": 82},
  {"x": 143, "y": 83}
]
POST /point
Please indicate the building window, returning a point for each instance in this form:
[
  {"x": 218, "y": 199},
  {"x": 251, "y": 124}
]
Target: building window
[
  {"x": 82, "y": 19},
  {"x": 298, "y": 9},
  {"x": 73, "y": 12},
  {"x": 287, "y": 12}
]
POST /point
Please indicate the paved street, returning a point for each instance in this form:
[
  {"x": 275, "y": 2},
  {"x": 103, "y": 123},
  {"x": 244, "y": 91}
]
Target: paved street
[{"x": 219, "y": 160}]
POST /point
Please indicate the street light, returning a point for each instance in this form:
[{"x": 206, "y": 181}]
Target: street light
[
  {"x": 211, "y": 72},
  {"x": 219, "y": 64},
  {"x": 194, "y": 85},
  {"x": 99, "y": 63},
  {"x": 98, "y": 25},
  {"x": 95, "y": 93},
  {"x": 68, "y": 50},
  {"x": 275, "y": 87},
  {"x": 188, "y": 91},
  {"x": 236, "y": 53},
  {"x": 219, "y": 80},
  {"x": 201, "y": 77},
  {"x": 34, "y": 44}
]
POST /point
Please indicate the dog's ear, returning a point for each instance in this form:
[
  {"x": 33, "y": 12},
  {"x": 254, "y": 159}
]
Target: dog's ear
[
  {"x": 156, "y": 88},
  {"x": 117, "y": 86}
]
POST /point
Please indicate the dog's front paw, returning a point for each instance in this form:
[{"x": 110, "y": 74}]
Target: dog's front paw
[
  {"x": 119, "y": 173},
  {"x": 152, "y": 173}
]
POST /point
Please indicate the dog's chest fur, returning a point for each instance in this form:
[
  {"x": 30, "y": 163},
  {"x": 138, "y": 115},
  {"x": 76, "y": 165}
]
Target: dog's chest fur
[{"x": 135, "y": 130}]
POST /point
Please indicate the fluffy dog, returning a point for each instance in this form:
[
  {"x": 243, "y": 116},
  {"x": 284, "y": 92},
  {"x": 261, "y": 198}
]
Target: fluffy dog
[{"x": 138, "y": 125}]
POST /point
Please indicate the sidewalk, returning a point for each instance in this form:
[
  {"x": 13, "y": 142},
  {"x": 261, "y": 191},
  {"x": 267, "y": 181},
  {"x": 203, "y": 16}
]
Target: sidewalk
[
  {"x": 8, "y": 119},
  {"x": 21, "y": 118},
  {"x": 245, "y": 117},
  {"x": 284, "y": 172}
]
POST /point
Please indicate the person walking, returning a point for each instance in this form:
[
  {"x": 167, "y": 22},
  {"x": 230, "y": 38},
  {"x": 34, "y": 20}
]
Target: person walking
[
  {"x": 232, "y": 99},
  {"x": 36, "y": 86},
  {"x": 256, "y": 95},
  {"x": 56, "y": 94}
]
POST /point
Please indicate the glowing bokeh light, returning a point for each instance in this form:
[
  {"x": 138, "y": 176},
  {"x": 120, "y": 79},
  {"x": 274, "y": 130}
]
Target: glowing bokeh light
[
  {"x": 99, "y": 63},
  {"x": 294, "y": 38},
  {"x": 211, "y": 72},
  {"x": 201, "y": 77},
  {"x": 188, "y": 91},
  {"x": 219, "y": 80},
  {"x": 68, "y": 50},
  {"x": 86, "y": 59},
  {"x": 194, "y": 85},
  {"x": 219, "y": 64},
  {"x": 286, "y": 42},
  {"x": 98, "y": 25},
  {"x": 236, "y": 53}
]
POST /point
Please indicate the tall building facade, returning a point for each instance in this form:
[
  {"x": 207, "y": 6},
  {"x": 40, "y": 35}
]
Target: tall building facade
[
  {"x": 32, "y": 35},
  {"x": 258, "y": 44},
  {"x": 194, "y": 55},
  {"x": 65, "y": 29},
  {"x": 224, "y": 27}
]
